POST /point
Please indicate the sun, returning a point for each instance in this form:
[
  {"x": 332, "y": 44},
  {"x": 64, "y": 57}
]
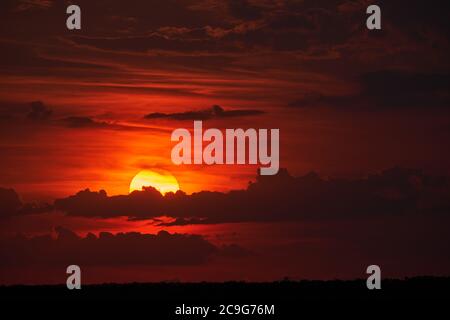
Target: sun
[{"x": 161, "y": 180}]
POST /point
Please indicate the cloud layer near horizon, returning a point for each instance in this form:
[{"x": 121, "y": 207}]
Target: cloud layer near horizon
[
  {"x": 121, "y": 249},
  {"x": 215, "y": 112},
  {"x": 271, "y": 198},
  {"x": 278, "y": 198}
]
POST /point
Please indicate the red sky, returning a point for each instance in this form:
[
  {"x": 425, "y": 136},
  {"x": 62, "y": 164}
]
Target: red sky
[{"x": 349, "y": 103}]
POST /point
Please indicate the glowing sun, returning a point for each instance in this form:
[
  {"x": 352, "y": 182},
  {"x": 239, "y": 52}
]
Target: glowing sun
[{"x": 163, "y": 181}]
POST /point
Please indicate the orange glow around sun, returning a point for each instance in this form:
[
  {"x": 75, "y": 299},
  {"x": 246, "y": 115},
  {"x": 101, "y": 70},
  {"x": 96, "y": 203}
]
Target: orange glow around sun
[{"x": 162, "y": 181}]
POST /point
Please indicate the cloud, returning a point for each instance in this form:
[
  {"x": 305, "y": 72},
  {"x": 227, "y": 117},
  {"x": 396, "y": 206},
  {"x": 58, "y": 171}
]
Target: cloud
[
  {"x": 108, "y": 249},
  {"x": 281, "y": 197},
  {"x": 265, "y": 47},
  {"x": 393, "y": 88},
  {"x": 9, "y": 203},
  {"x": 215, "y": 112},
  {"x": 35, "y": 112},
  {"x": 98, "y": 204},
  {"x": 388, "y": 89},
  {"x": 39, "y": 111},
  {"x": 83, "y": 122},
  {"x": 35, "y": 115}
]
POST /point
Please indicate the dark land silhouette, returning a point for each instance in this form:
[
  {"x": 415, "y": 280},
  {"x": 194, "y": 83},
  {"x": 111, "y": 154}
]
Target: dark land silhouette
[{"x": 289, "y": 298}]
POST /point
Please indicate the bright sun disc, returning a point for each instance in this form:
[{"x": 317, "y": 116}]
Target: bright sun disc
[{"x": 162, "y": 181}]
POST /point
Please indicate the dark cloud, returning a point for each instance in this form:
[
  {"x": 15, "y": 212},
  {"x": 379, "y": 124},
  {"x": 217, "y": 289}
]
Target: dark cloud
[
  {"x": 181, "y": 222},
  {"x": 245, "y": 25},
  {"x": 215, "y": 112},
  {"x": 83, "y": 122},
  {"x": 108, "y": 249},
  {"x": 420, "y": 17},
  {"x": 388, "y": 89},
  {"x": 34, "y": 115},
  {"x": 33, "y": 111},
  {"x": 9, "y": 203},
  {"x": 277, "y": 198},
  {"x": 265, "y": 40},
  {"x": 39, "y": 111},
  {"x": 391, "y": 88},
  {"x": 98, "y": 204}
]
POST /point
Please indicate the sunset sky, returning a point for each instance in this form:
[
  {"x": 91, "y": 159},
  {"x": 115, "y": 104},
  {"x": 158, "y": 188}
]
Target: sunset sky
[{"x": 366, "y": 111}]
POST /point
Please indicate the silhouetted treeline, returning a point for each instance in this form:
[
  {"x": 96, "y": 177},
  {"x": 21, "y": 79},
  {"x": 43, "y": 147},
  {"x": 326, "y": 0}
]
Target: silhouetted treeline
[{"x": 290, "y": 298}]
